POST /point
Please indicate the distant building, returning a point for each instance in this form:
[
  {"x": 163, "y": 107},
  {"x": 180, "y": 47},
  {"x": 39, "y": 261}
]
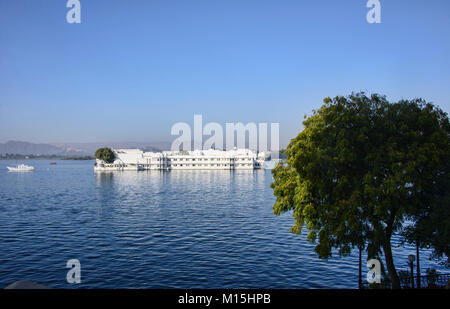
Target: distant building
[{"x": 136, "y": 160}]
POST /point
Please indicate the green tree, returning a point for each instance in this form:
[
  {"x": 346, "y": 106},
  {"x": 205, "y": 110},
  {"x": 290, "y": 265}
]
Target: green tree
[
  {"x": 351, "y": 176},
  {"x": 430, "y": 215},
  {"x": 105, "y": 154}
]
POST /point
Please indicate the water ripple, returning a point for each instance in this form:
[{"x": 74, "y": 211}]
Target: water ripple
[{"x": 182, "y": 229}]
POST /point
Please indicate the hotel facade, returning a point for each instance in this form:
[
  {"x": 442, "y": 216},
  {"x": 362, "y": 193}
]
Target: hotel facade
[{"x": 138, "y": 160}]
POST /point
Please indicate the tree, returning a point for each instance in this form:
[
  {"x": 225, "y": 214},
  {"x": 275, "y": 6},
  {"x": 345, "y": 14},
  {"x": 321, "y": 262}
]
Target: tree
[
  {"x": 105, "y": 154},
  {"x": 351, "y": 176},
  {"x": 430, "y": 220},
  {"x": 430, "y": 215}
]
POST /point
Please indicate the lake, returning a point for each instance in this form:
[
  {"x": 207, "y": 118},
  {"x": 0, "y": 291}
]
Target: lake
[{"x": 155, "y": 229}]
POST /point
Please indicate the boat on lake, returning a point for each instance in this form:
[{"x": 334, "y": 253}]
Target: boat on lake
[{"x": 21, "y": 168}]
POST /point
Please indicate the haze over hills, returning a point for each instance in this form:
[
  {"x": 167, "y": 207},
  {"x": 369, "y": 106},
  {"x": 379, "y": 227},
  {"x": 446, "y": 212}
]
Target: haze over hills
[
  {"x": 25, "y": 148},
  {"x": 73, "y": 149},
  {"x": 82, "y": 149}
]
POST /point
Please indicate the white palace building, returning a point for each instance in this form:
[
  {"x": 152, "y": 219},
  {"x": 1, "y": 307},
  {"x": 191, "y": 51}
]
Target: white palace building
[{"x": 137, "y": 160}]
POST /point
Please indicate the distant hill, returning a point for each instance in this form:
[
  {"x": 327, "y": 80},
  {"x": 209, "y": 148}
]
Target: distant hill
[
  {"x": 25, "y": 148},
  {"x": 90, "y": 148},
  {"x": 80, "y": 149},
  {"x": 74, "y": 149}
]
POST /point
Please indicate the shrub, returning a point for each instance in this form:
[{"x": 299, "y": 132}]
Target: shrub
[{"x": 105, "y": 154}]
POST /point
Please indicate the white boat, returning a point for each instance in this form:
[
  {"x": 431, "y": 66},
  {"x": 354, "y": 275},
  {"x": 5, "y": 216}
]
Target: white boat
[{"x": 21, "y": 168}]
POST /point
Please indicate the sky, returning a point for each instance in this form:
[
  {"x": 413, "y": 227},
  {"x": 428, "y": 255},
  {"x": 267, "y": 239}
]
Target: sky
[{"x": 134, "y": 68}]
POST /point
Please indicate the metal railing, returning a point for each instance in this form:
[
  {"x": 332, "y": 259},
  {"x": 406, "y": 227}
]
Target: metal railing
[{"x": 434, "y": 281}]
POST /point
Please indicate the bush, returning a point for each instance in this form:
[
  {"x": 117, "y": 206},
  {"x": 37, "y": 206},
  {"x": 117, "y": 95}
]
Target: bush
[
  {"x": 432, "y": 276},
  {"x": 105, "y": 154}
]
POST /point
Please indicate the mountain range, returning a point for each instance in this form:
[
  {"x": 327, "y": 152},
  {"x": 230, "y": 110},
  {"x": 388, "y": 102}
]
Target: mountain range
[{"x": 74, "y": 149}]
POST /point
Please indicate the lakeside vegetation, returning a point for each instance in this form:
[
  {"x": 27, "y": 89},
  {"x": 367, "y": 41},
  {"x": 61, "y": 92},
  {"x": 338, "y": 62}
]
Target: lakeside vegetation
[
  {"x": 363, "y": 167},
  {"x": 9, "y": 156}
]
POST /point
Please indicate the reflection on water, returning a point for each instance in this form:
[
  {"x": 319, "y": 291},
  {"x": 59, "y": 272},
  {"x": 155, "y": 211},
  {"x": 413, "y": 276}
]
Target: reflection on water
[{"x": 156, "y": 229}]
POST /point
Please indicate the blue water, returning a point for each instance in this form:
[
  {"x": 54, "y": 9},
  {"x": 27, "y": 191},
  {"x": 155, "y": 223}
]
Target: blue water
[{"x": 178, "y": 229}]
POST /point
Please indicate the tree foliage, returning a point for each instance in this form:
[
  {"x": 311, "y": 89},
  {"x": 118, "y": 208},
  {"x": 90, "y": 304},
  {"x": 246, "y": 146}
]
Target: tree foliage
[
  {"x": 105, "y": 154},
  {"x": 360, "y": 168}
]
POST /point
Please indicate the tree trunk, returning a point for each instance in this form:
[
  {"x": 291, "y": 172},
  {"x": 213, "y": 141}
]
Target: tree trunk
[
  {"x": 418, "y": 265},
  {"x": 390, "y": 264},
  {"x": 360, "y": 269}
]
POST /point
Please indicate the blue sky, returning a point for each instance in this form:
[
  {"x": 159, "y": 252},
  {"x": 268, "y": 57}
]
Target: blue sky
[{"x": 132, "y": 69}]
